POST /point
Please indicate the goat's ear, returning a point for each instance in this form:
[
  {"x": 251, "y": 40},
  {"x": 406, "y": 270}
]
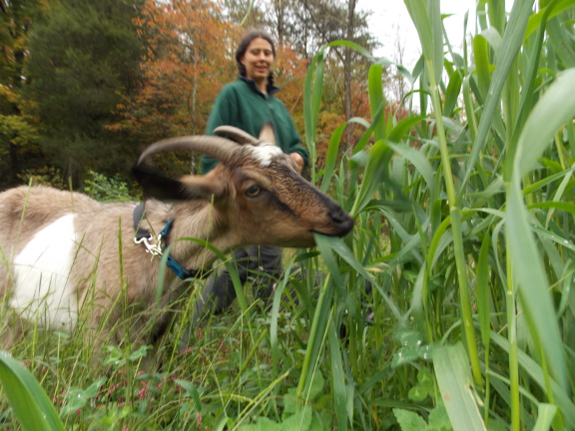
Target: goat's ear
[
  {"x": 268, "y": 134},
  {"x": 186, "y": 188}
]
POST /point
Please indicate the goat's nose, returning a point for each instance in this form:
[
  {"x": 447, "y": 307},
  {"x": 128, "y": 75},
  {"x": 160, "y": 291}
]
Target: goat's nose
[{"x": 342, "y": 220}]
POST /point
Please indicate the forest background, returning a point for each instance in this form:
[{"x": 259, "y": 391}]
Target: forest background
[{"x": 84, "y": 87}]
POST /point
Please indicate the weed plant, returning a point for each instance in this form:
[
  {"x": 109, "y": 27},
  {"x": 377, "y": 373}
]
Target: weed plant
[{"x": 464, "y": 230}]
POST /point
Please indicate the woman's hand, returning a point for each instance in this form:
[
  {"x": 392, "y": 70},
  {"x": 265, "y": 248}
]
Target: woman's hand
[{"x": 299, "y": 161}]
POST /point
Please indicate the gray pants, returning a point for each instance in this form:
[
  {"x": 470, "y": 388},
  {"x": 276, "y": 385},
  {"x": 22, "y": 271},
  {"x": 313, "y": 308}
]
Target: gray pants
[{"x": 262, "y": 264}]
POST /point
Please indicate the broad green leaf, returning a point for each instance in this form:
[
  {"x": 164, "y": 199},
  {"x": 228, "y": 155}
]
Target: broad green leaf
[
  {"x": 321, "y": 317},
  {"x": 418, "y": 393},
  {"x": 409, "y": 421},
  {"x": 28, "y": 400},
  {"x": 559, "y": 37},
  {"x": 299, "y": 421},
  {"x": 191, "y": 391},
  {"x": 454, "y": 379},
  {"x": 262, "y": 424},
  {"x": 492, "y": 37},
  {"x": 439, "y": 419}
]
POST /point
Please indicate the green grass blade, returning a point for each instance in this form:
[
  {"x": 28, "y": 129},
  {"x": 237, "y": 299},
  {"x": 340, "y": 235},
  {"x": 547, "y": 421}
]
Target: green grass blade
[
  {"x": 27, "y": 398},
  {"x": 312, "y": 97},
  {"x": 427, "y": 20},
  {"x": 452, "y": 93},
  {"x": 528, "y": 93},
  {"x": 547, "y": 413},
  {"x": 333, "y": 151},
  {"x": 403, "y": 127},
  {"x": 483, "y": 291},
  {"x": 321, "y": 315},
  {"x": 339, "y": 246},
  {"x": 512, "y": 40},
  {"x": 228, "y": 263},
  {"x": 452, "y": 371},
  {"x": 338, "y": 379},
  {"x": 373, "y": 176},
  {"x": 554, "y": 109},
  {"x": 331, "y": 156},
  {"x": 535, "y": 20},
  {"x": 560, "y": 38},
  {"x": 562, "y": 399},
  {"x": 275, "y": 315},
  {"x": 376, "y": 97},
  {"x": 419, "y": 161},
  {"x": 482, "y": 67}
]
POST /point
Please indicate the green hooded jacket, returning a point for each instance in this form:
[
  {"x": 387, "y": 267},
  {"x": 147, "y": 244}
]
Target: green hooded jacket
[{"x": 241, "y": 104}]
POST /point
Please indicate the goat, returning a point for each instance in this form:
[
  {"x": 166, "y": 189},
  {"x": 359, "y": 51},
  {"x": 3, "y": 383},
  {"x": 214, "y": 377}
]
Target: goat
[{"x": 61, "y": 252}]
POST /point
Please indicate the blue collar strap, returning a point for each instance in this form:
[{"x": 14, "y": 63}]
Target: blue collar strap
[{"x": 143, "y": 237}]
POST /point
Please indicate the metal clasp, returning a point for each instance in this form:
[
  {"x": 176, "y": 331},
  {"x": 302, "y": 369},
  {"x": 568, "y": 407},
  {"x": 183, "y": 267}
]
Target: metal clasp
[{"x": 153, "y": 249}]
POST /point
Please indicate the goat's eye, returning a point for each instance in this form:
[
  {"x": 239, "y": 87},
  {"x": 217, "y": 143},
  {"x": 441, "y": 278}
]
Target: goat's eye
[{"x": 253, "y": 191}]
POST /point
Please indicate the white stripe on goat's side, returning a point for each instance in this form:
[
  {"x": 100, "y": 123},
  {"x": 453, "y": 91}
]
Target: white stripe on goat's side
[
  {"x": 42, "y": 291},
  {"x": 265, "y": 153}
]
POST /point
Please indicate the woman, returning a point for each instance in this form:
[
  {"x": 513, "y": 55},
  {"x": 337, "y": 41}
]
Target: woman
[{"x": 249, "y": 103}]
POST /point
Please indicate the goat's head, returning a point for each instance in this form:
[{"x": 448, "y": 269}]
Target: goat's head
[{"x": 254, "y": 188}]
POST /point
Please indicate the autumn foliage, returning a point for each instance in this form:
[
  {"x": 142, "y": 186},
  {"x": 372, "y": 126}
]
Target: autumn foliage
[
  {"x": 180, "y": 55},
  {"x": 188, "y": 59}
]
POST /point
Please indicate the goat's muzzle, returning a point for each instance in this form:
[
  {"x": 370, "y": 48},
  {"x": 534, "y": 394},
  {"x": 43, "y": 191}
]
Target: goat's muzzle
[{"x": 342, "y": 221}]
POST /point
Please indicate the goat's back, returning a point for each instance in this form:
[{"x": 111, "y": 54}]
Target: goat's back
[
  {"x": 26, "y": 210},
  {"x": 72, "y": 242}
]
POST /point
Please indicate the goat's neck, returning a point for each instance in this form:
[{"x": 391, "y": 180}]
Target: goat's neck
[{"x": 198, "y": 219}]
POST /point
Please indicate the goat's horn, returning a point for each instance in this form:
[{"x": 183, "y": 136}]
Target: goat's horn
[
  {"x": 236, "y": 134},
  {"x": 218, "y": 148}
]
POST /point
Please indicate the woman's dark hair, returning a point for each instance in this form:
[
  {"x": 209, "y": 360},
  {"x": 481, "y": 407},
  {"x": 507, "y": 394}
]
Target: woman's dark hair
[{"x": 243, "y": 46}]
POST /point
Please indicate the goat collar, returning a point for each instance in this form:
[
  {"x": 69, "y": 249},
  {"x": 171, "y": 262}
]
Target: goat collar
[{"x": 143, "y": 236}]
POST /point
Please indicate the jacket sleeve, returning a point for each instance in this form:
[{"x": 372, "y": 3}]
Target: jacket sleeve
[{"x": 295, "y": 145}]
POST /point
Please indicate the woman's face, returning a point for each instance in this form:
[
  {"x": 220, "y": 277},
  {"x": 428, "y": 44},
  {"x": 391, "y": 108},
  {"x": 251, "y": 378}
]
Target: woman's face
[{"x": 258, "y": 59}]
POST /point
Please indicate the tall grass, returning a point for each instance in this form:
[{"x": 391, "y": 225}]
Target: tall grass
[{"x": 465, "y": 231}]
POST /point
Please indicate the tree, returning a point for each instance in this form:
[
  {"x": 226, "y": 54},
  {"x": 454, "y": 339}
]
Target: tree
[
  {"x": 83, "y": 57},
  {"x": 18, "y": 137},
  {"x": 310, "y": 24},
  {"x": 189, "y": 58}
]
